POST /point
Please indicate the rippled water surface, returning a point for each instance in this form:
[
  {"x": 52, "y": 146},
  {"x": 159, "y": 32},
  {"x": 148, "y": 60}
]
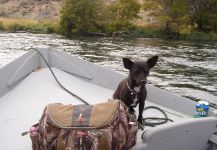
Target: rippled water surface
[{"x": 185, "y": 68}]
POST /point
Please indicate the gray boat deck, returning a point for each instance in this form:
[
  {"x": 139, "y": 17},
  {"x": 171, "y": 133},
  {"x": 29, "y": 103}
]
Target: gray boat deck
[{"x": 23, "y": 105}]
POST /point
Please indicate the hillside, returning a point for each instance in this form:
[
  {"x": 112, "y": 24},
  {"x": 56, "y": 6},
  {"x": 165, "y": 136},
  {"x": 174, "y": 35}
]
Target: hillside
[
  {"x": 30, "y": 9},
  {"x": 46, "y": 9}
]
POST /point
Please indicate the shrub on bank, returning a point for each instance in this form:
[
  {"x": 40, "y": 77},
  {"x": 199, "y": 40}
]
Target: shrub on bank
[
  {"x": 1, "y": 25},
  {"x": 196, "y": 35},
  {"x": 149, "y": 32}
]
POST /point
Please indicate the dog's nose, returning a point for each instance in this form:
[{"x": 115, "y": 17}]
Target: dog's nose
[{"x": 143, "y": 81}]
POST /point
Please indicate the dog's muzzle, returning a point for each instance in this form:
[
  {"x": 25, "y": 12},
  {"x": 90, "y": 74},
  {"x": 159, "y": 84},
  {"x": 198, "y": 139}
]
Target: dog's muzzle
[{"x": 143, "y": 82}]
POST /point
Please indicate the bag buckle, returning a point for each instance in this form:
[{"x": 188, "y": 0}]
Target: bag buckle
[{"x": 80, "y": 135}]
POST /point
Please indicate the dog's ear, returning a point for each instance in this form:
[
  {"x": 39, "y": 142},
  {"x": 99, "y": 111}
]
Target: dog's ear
[
  {"x": 152, "y": 61},
  {"x": 127, "y": 63}
]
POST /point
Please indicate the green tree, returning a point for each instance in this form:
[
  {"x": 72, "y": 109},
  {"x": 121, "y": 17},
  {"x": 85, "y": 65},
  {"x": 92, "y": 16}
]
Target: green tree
[
  {"x": 171, "y": 15},
  {"x": 97, "y": 16},
  {"x": 121, "y": 14},
  {"x": 80, "y": 16},
  {"x": 204, "y": 14}
]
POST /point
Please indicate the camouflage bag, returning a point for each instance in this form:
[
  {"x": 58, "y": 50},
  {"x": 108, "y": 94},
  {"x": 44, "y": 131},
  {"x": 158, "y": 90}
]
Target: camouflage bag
[{"x": 104, "y": 126}]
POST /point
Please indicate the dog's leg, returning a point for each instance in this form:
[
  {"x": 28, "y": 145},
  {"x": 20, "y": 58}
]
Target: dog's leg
[
  {"x": 141, "y": 107},
  {"x": 131, "y": 110}
]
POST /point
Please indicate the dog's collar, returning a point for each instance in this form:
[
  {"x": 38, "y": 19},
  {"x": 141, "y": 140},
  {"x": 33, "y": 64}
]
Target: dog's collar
[{"x": 132, "y": 92}]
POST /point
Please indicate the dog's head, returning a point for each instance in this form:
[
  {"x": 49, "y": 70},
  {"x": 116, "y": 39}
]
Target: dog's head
[{"x": 139, "y": 70}]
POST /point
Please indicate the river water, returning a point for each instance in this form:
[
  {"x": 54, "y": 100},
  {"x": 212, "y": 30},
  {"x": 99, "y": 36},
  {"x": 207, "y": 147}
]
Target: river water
[{"x": 185, "y": 68}]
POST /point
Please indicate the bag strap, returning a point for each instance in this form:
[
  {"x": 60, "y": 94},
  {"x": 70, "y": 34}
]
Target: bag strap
[{"x": 59, "y": 143}]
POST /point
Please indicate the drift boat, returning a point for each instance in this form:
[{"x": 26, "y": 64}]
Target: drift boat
[{"x": 27, "y": 86}]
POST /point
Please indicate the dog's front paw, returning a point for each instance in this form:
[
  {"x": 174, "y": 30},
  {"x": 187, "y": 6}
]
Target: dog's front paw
[
  {"x": 140, "y": 120},
  {"x": 140, "y": 123}
]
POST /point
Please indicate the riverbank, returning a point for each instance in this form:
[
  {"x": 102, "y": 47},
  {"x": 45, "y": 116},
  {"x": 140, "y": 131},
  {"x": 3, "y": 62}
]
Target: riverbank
[
  {"x": 48, "y": 26},
  {"x": 27, "y": 25}
]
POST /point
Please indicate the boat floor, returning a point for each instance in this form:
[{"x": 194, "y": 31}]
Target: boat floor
[{"x": 23, "y": 105}]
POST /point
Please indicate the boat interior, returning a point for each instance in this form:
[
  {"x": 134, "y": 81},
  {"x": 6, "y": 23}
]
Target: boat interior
[{"x": 27, "y": 86}]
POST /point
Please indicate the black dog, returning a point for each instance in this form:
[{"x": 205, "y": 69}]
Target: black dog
[{"x": 132, "y": 89}]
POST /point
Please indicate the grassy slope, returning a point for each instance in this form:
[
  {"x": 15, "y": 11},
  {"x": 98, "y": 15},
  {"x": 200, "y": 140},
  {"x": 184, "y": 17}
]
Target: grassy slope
[
  {"x": 29, "y": 15},
  {"x": 30, "y": 9},
  {"x": 14, "y": 25}
]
